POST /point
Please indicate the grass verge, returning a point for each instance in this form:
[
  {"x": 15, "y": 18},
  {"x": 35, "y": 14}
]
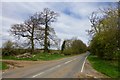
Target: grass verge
[
  {"x": 109, "y": 68},
  {"x": 3, "y": 66},
  {"x": 39, "y": 56}
]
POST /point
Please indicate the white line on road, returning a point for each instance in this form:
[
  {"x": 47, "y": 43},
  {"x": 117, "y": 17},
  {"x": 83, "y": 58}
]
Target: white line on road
[
  {"x": 38, "y": 74},
  {"x": 68, "y": 61},
  {"x": 57, "y": 66},
  {"x": 83, "y": 64},
  {"x": 46, "y": 71},
  {"x": 74, "y": 58},
  {"x": 52, "y": 68}
]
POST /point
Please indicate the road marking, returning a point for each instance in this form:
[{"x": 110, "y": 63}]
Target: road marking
[
  {"x": 83, "y": 64},
  {"x": 38, "y": 74},
  {"x": 52, "y": 68},
  {"x": 46, "y": 71},
  {"x": 57, "y": 66},
  {"x": 68, "y": 61}
]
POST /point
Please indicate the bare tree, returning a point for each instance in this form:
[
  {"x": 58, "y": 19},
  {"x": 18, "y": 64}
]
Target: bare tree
[
  {"x": 94, "y": 21},
  {"x": 37, "y": 28},
  {"x": 55, "y": 41},
  {"x": 29, "y": 29},
  {"x": 48, "y": 16},
  {"x": 58, "y": 43}
]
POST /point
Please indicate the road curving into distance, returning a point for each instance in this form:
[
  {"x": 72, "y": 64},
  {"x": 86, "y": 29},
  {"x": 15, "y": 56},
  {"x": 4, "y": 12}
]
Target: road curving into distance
[{"x": 62, "y": 68}]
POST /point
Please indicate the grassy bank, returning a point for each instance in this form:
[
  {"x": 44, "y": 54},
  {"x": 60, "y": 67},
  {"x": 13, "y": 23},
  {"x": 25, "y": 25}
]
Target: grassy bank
[
  {"x": 39, "y": 56},
  {"x": 109, "y": 68},
  {"x": 3, "y": 66}
]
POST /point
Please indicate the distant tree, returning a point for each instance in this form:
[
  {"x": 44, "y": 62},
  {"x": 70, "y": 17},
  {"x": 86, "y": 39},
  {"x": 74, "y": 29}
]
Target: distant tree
[
  {"x": 74, "y": 46},
  {"x": 63, "y": 46},
  {"x": 78, "y": 46},
  {"x": 8, "y": 47},
  {"x": 8, "y": 44},
  {"x": 57, "y": 43}
]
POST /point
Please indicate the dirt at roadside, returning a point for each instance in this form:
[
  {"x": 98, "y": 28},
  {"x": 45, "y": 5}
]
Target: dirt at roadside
[
  {"x": 89, "y": 72},
  {"x": 13, "y": 64}
]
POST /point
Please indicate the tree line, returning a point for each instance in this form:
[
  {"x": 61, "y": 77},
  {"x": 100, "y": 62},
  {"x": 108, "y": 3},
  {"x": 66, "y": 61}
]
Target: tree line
[{"x": 105, "y": 32}]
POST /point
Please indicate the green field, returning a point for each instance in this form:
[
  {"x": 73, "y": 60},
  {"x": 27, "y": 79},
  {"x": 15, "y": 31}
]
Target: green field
[{"x": 109, "y": 68}]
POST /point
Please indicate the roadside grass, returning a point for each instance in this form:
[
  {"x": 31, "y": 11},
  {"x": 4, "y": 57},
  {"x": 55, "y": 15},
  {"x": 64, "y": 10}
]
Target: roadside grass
[
  {"x": 46, "y": 56},
  {"x": 109, "y": 68},
  {"x": 39, "y": 56},
  {"x": 3, "y": 66}
]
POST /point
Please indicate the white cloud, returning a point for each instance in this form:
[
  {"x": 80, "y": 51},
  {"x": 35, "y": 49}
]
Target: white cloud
[
  {"x": 66, "y": 27},
  {"x": 6, "y": 24}
]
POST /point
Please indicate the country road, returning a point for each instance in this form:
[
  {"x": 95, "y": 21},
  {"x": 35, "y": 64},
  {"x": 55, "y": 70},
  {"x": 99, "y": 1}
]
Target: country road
[{"x": 62, "y": 68}]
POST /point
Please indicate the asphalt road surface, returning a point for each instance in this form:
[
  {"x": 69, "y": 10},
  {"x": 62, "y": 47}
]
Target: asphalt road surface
[{"x": 63, "y": 68}]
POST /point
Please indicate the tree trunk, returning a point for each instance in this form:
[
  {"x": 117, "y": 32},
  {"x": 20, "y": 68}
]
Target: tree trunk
[
  {"x": 32, "y": 44},
  {"x": 45, "y": 41},
  {"x": 63, "y": 46},
  {"x": 32, "y": 41}
]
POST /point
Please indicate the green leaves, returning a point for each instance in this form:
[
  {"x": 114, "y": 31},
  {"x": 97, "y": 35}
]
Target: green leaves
[
  {"x": 74, "y": 46},
  {"x": 104, "y": 43}
]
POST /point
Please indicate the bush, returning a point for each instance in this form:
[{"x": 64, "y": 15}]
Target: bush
[
  {"x": 74, "y": 46},
  {"x": 8, "y": 47},
  {"x": 68, "y": 52},
  {"x": 104, "y": 45}
]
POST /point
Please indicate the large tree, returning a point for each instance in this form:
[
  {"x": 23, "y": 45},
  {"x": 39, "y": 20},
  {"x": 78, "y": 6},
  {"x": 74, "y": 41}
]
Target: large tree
[
  {"x": 48, "y": 16},
  {"x": 29, "y": 29},
  {"x": 38, "y": 28}
]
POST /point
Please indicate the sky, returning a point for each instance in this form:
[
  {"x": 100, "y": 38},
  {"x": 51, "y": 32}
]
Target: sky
[{"x": 72, "y": 20}]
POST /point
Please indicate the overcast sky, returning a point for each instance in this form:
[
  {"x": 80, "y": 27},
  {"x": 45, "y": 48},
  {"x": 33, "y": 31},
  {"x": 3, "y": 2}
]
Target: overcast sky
[{"x": 72, "y": 22}]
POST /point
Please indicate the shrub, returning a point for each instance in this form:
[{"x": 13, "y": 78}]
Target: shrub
[{"x": 74, "y": 46}]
